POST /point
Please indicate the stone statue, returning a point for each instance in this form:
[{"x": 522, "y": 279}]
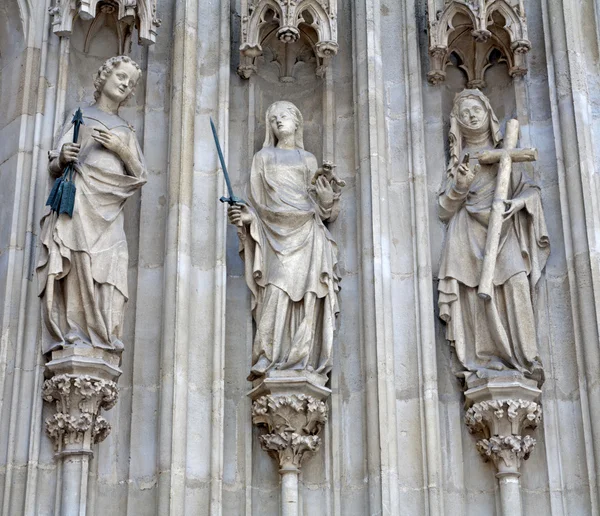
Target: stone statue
[
  {"x": 290, "y": 256},
  {"x": 492, "y": 334},
  {"x": 82, "y": 267}
]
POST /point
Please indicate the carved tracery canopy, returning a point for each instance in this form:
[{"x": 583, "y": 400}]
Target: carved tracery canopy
[
  {"x": 128, "y": 13},
  {"x": 315, "y": 21},
  {"x": 473, "y": 34}
]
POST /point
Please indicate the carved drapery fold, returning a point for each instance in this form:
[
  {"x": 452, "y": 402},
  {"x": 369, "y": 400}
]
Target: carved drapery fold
[{"x": 473, "y": 34}]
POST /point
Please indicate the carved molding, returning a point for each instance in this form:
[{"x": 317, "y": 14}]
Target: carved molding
[
  {"x": 473, "y": 34},
  {"x": 77, "y": 422},
  {"x": 293, "y": 424},
  {"x": 315, "y": 21},
  {"x": 501, "y": 422},
  {"x": 128, "y": 13}
]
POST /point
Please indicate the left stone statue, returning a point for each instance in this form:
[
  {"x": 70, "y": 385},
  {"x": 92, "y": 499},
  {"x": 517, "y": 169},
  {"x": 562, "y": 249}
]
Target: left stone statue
[{"x": 82, "y": 267}]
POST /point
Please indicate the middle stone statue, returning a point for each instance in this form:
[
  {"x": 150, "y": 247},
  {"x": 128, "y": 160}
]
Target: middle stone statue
[{"x": 290, "y": 256}]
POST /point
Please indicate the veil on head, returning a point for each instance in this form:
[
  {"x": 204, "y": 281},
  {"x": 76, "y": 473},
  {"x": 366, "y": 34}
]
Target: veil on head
[
  {"x": 454, "y": 136},
  {"x": 270, "y": 138}
]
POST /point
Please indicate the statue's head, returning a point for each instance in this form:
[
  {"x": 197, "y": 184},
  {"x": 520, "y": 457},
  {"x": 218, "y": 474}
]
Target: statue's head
[
  {"x": 117, "y": 79},
  {"x": 471, "y": 118},
  {"x": 472, "y": 115},
  {"x": 283, "y": 119}
]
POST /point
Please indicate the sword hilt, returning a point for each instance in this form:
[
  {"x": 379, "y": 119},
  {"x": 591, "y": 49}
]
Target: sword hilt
[{"x": 233, "y": 200}]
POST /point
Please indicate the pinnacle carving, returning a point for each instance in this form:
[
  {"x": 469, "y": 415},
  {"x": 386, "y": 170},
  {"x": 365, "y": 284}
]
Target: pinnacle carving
[
  {"x": 79, "y": 399},
  {"x": 293, "y": 425}
]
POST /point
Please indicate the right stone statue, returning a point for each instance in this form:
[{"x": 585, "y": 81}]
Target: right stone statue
[{"x": 494, "y": 332}]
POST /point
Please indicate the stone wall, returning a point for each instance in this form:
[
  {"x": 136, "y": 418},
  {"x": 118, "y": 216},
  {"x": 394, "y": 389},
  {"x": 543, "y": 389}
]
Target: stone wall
[{"x": 182, "y": 440}]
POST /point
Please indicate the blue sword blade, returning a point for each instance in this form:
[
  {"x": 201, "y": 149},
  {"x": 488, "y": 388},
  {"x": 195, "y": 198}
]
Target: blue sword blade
[{"x": 232, "y": 198}]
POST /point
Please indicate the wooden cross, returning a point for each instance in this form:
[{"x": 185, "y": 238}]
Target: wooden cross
[{"x": 506, "y": 156}]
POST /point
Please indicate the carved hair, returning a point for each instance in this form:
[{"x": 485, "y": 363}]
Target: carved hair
[
  {"x": 455, "y": 136},
  {"x": 270, "y": 138},
  {"x": 107, "y": 68}
]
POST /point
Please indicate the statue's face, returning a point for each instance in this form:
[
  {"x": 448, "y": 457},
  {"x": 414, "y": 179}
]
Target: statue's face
[
  {"x": 282, "y": 122},
  {"x": 121, "y": 82},
  {"x": 472, "y": 114}
]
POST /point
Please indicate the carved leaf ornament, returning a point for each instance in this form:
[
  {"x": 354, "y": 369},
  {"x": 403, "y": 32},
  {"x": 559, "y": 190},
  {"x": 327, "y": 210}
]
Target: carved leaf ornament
[{"x": 293, "y": 423}]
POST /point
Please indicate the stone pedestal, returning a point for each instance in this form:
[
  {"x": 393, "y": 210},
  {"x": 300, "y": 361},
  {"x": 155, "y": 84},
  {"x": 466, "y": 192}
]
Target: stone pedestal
[
  {"x": 499, "y": 409},
  {"x": 290, "y": 405},
  {"x": 81, "y": 382}
]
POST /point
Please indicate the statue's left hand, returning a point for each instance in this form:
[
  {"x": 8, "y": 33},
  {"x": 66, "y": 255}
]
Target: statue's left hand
[
  {"x": 512, "y": 206},
  {"x": 324, "y": 192},
  {"x": 109, "y": 140}
]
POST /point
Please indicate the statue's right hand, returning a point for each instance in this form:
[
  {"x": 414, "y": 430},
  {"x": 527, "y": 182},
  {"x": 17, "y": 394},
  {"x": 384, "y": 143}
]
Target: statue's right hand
[
  {"x": 464, "y": 177},
  {"x": 68, "y": 154},
  {"x": 240, "y": 215}
]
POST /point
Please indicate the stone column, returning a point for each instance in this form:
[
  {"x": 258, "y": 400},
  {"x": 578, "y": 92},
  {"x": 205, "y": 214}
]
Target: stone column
[
  {"x": 499, "y": 410},
  {"x": 81, "y": 383},
  {"x": 568, "y": 51},
  {"x": 290, "y": 406}
]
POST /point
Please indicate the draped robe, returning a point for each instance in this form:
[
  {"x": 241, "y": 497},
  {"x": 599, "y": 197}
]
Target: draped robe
[
  {"x": 498, "y": 334},
  {"x": 291, "y": 265},
  {"x": 82, "y": 267}
]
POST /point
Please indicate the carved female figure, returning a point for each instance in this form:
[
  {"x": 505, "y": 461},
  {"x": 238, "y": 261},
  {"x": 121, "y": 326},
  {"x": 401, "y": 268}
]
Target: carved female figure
[
  {"x": 497, "y": 334},
  {"x": 290, "y": 256},
  {"x": 82, "y": 268}
]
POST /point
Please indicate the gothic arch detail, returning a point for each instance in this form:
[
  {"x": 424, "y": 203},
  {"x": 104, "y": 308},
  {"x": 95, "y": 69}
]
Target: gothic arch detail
[
  {"x": 129, "y": 13},
  {"x": 316, "y": 20},
  {"x": 473, "y": 34}
]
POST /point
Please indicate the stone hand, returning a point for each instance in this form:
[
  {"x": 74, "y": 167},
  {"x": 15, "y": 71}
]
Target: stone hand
[
  {"x": 464, "y": 177},
  {"x": 513, "y": 206},
  {"x": 240, "y": 215},
  {"x": 68, "y": 154},
  {"x": 324, "y": 192},
  {"x": 109, "y": 140}
]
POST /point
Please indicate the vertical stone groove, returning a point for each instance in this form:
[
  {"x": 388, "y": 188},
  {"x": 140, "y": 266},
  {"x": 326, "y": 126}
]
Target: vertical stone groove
[{"x": 422, "y": 266}]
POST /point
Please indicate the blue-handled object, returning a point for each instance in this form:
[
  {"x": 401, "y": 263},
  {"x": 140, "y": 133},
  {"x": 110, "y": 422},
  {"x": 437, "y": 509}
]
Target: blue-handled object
[
  {"x": 232, "y": 199},
  {"x": 62, "y": 195}
]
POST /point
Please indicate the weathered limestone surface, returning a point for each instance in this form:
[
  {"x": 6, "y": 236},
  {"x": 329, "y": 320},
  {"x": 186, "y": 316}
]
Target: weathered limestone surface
[{"x": 395, "y": 441}]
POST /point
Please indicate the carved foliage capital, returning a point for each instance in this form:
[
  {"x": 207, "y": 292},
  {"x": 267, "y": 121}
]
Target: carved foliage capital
[
  {"x": 506, "y": 451},
  {"x": 79, "y": 399},
  {"x": 293, "y": 425},
  {"x": 501, "y": 422}
]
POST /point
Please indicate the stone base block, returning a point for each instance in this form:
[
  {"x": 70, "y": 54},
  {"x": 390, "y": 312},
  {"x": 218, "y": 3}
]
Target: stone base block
[
  {"x": 289, "y": 382},
  {"x": 510, "y": 385},
  {"x": 80, "y": 361}
]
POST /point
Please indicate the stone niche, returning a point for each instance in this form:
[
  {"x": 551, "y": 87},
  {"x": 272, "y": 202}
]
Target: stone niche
[{"x": 473, "y": 35}]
